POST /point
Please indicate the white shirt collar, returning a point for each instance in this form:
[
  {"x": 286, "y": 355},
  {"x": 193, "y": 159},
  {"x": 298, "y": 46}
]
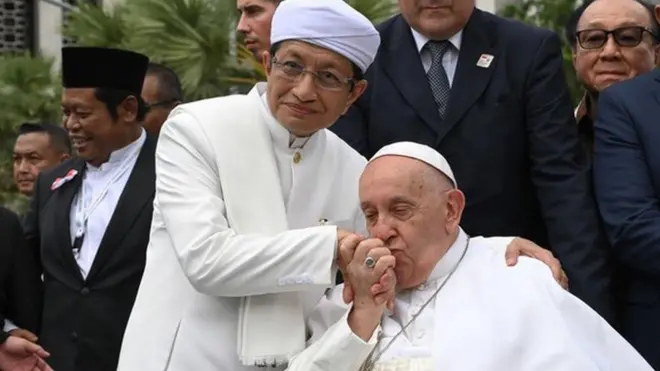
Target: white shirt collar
[
  {"x": 421, "y": 40},
  {"x": 451, "y": 257},
  {"x": 119, "y": 156}
]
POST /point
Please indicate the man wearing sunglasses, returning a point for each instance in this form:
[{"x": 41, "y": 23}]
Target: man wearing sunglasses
[
  {"x": 161, "y": 92},
  {"x": 611, "y": 41},
  {"x": 627, "y": 181}
]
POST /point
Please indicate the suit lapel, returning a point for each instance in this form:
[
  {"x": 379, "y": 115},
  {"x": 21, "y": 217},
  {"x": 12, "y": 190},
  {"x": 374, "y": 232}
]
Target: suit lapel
[
  {"x": 62, "y": 199},
  {"x": 403, "y": 65},
  {"x": 137, "y": 193},
  {"x": 470, "y": 80}
]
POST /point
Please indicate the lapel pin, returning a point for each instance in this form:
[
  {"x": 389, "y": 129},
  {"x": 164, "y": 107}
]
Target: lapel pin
[
  {"x": 60, "y": 181},
  {"x": 485, "y": 60}
]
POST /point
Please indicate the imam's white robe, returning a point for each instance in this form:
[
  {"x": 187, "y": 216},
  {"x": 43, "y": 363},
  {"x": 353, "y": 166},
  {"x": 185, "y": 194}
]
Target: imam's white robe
[
  {"x": 488, "y": 317},
  {"x": 186, "y": 312}
]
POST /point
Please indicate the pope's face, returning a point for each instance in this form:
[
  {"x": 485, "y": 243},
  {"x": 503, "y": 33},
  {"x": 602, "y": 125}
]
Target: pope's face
[
  {"x": 309, "y": 87},
  {"x": 411, "y": 207}
]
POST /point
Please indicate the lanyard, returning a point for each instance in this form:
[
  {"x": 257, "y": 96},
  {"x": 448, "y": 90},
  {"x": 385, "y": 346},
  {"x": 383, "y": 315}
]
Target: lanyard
[{"x": 83, "y": 212}]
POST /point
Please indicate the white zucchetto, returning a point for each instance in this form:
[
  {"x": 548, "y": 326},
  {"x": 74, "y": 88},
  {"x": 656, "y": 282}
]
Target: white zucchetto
[
  {"x": 330, "y": 24},
  {"x": 419, "y": 152}
]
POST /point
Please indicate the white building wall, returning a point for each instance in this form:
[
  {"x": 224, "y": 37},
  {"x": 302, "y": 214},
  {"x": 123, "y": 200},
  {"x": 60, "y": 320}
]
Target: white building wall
[{"x": 48, "y": 40}]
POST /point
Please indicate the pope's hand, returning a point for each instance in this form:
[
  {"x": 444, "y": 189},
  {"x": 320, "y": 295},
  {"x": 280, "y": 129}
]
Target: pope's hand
[
  {"x": 520, "y": 246},
  {"x": 17, "y": 354},
  {"x": 372, "y": 284}
]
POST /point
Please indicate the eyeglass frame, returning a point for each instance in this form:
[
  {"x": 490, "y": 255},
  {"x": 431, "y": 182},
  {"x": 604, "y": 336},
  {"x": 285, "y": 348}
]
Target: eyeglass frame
[
  {"x": 614, "y": 36},
  {"x": 350, "y": 81},
  {"x": 161, "y": 103}
]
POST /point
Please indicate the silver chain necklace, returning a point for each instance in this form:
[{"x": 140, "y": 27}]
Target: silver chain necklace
[{"x": 373, "y": 357}]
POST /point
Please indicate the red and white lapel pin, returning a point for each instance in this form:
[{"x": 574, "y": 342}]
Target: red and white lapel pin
[{"x": 60, "y": 181}]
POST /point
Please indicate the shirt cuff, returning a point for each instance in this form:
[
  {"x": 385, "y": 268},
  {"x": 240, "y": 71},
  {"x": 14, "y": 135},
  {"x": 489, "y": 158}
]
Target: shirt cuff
[
  {"x": 9, "y": 326},
  {"x": 354, "y": 350}
]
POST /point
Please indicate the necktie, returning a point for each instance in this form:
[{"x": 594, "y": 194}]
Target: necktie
[{"x": 437, "y": 75}]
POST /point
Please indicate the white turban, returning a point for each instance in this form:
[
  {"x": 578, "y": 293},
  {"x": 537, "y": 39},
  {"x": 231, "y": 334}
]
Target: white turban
[
  {"x": 419, "y": 152},
  {"x": 330, "y": 24}
]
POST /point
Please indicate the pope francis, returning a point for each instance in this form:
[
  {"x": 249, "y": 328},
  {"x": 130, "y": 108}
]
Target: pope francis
[
  {"x": 254, "y": 199},
  {"x": 458, "y": 307}
]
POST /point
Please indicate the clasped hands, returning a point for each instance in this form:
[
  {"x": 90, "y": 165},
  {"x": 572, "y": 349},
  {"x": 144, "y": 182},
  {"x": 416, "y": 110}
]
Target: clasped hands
[
  {"x": 375, "y": 286},
  {"x": 367, "y": 286}
]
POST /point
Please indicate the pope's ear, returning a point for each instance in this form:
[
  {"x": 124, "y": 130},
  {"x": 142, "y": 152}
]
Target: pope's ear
[{"x": 455, "y": 207}]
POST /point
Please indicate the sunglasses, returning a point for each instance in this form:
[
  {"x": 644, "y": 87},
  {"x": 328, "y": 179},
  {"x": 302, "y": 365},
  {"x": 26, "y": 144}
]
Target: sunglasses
[
  {"x": 163, "y": 103},
  {"x": 623, "y": 36}
]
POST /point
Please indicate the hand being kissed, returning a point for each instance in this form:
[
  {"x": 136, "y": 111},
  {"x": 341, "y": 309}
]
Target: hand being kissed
[{"x": 367, "y": 286}]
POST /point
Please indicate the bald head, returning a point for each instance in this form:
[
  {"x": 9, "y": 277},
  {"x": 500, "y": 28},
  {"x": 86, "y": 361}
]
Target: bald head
[{"x": 414, "y": 208}]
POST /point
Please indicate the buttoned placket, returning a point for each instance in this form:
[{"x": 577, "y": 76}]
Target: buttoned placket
[{"x": 297, "y": 145}]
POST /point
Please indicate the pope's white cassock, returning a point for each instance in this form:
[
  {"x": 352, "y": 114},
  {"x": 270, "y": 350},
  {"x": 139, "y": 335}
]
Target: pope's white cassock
[
  {"x": 244, "y": 231},
  {"x": 487, "y": 317}
]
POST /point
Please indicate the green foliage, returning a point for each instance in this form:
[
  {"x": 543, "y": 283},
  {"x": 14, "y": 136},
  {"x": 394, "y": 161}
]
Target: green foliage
[
  {"x": 91, "y": 25},
  {"x": 29, "y": 91},
  {"x": 553, "y": 15},
  {"x": 375, "y": 10},
  {"x": 193, "y": 37}
]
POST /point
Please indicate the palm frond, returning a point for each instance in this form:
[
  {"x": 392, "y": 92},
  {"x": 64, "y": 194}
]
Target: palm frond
[
  {"x": 375, "y": 10},
  {"x": 193, "y": 37},
  {"x": 91, "y": 25}
]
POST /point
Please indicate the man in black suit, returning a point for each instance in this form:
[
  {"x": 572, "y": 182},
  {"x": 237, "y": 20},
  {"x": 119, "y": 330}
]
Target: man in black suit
[
  {"x": 490, "y": 95},
  {"x": 90, "y": 216},
  {"x": 20, "y": 281}
]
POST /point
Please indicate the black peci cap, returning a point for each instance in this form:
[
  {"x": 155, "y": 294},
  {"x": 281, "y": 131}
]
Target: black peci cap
[{"x": 93, "y": 67}]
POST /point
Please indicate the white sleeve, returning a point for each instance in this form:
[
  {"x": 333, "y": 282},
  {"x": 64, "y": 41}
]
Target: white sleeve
[
  {"x": 332, "y": 346},
  {"x": 559, "y": 331},
  {"x": 217, "y": 260},
  {"x": 593, "y": 334}
]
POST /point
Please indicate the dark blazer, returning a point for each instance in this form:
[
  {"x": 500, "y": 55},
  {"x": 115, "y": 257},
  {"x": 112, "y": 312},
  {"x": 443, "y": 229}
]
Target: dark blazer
[
  {"x": 508, "y": 133},
  {"x": 627, "y": 182},
  {"x": 84, "y": 319},
  {"x": 20, "y": 276}
]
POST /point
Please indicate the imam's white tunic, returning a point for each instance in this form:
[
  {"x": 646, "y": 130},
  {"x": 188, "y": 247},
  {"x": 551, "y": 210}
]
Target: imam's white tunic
[{"x": 186, "y": 312}]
